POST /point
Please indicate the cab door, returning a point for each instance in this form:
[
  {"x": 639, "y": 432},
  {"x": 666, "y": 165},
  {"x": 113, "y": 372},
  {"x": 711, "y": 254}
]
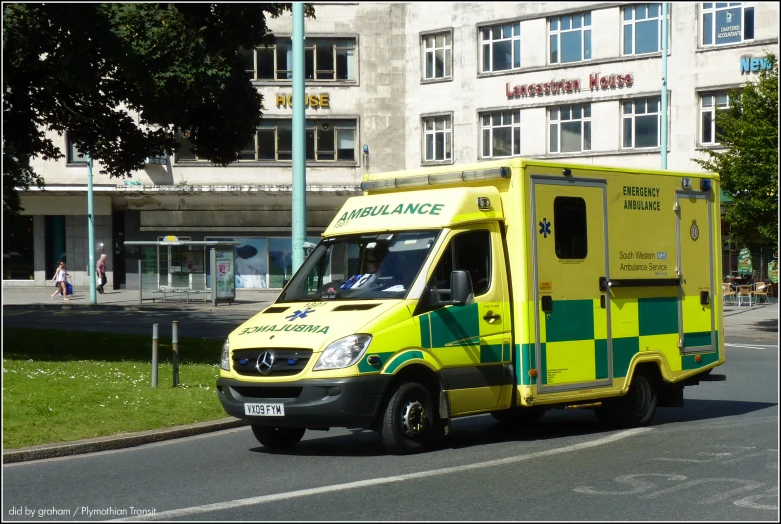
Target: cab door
[
  {"x": 572, "y": 316},
  {"x": 472, "y": 342}
]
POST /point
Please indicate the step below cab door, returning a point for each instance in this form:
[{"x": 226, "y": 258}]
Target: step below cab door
[{"x": 572, "y": 317}]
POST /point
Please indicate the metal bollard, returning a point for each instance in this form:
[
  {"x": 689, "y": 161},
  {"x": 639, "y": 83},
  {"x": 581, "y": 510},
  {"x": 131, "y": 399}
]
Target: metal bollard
[
  {"x": 154, "y": 355},
  {"x": 175, "y": 347}
]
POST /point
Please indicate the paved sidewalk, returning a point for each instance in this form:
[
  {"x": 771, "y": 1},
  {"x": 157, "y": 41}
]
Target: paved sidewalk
[
  {"x": 127, "y": 299},
  {"x": 757, "y": 322}
]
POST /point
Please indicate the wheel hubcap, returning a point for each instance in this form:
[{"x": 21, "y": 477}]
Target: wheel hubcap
[{"x": 413, "y": 418}]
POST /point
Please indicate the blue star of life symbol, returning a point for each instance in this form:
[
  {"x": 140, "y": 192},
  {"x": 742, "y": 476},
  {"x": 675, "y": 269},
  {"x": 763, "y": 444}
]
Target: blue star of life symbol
[
  {"x": 299, "y": 314},
  {"x": 544, "y": 228}
]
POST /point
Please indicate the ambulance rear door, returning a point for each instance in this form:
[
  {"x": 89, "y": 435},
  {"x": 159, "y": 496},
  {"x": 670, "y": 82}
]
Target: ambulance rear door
[{"x": 572, "y": 320}]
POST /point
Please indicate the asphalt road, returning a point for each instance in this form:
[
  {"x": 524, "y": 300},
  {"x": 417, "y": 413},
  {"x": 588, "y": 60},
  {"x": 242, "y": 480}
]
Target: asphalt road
[{"x": 716, "y": 459}]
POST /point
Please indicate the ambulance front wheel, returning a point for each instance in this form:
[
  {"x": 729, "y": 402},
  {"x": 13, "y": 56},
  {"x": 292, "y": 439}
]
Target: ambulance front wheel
[
  {"x": 278, "y": 438},
  {"x": 636, "y": 408},
  {"x": 408, "y": 425}
]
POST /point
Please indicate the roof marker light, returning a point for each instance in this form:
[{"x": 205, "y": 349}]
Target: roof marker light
[{"x": 437, "y": 179}]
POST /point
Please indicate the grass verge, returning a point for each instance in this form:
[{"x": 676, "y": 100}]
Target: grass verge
[{"x": 61, "y": 386}]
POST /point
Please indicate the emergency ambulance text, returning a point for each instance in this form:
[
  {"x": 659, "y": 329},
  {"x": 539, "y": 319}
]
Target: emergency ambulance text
[
  {"x": 642, "y": 205},
  {"x": 296, "y": 328}
]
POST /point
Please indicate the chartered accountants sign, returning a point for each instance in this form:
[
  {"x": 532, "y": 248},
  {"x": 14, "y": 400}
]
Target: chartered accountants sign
[{"x": 596, "y": 82}]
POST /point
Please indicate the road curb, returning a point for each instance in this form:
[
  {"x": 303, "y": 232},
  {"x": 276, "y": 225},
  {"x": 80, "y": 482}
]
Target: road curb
[{"x": 64, "y": 449}]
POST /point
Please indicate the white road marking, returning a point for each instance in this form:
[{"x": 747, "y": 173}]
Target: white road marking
[
  {"x": 639, "y": 486},
  {"x": 751, "y": 501},
  {"x": 752, "y": 346},
  {"x": 232, "y": 504},
  {"x": 746, "y": 485}
]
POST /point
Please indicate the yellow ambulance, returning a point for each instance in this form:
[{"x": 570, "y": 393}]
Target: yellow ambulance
[{"x": 504, "y": 287}]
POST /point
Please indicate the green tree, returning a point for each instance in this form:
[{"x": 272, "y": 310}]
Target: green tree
[
  {"x": 124, "y": 79},
  {"x": 748, "y": 167}
]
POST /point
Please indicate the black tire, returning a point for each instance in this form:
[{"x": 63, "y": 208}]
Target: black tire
[
  {"x": 636, "y": 408},
  {"x": 519, "y": 417},
  {"x": 409, "y": 423},
  {"x": 278, "y": 438}
]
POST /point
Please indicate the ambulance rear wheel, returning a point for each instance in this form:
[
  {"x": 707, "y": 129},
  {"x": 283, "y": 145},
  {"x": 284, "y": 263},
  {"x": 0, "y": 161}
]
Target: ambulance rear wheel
[
  {"x": 409, "y": 424},
  {"x": 636, "y": 408},
  {"x": 278, "y": 438}
]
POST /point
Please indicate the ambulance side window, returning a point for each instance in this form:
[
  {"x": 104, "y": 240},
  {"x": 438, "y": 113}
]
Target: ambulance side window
[
  {"x": 569, "y": 227},
  {"x": 470, "y": 251}
]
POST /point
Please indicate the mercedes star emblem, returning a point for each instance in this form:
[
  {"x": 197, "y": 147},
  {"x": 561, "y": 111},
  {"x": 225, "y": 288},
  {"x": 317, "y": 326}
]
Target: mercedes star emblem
[{"x": 265, "y": 362}]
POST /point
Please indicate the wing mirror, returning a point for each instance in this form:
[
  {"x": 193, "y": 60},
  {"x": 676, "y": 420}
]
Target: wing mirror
[{"x": 460, "y": 290}]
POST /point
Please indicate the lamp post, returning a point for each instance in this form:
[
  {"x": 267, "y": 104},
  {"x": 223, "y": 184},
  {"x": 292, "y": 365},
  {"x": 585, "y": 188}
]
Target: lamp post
[
  {"x": 299, "y": 150},
  {"x": 665, "y": 29},
  {"x": 93, "y": 295}
]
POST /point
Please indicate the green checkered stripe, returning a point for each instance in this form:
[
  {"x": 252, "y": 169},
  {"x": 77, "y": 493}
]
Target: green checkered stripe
[
  {"x": 573, "y": 320},
  {"x": 442, "y": 326}
]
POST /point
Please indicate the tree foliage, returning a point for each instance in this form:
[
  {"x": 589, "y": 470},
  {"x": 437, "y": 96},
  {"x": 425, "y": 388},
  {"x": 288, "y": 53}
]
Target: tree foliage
[
  {"x": 122, "y": 79},
  {"x": 748, "y": 167}
]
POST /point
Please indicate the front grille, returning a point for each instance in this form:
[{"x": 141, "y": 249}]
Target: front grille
[
  {"x": 276, "y": 392},
  {"x": 287, "y": 362}
]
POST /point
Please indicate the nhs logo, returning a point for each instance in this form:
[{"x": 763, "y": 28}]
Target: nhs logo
[{"x": 752, "y": 65}]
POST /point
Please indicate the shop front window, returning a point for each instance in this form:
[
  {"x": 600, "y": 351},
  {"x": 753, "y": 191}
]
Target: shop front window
[{"x": 18, "y": 248}]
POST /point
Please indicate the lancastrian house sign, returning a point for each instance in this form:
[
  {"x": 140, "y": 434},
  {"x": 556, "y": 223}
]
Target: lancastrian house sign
[{"x": 595, "y": 81}]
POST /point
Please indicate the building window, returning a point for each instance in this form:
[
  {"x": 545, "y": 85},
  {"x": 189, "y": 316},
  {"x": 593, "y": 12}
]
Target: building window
[
  {"x": 501, "y": 134},
  {"x": 326, "y": 141},
  {"x": 727, "y": 23},
  {"x": 642, "y": 120},
  {"x": 501, "y": 47},
  {"x": 438, "y": 138},
  {"x": 642, "y": 29},
  {"x": 248, "y": 58},
  {"x": 438, "y": 51},
  {"x": 18, "y": 249},
  {"x": 75, "y": 156},
  {"x": 709, "y": 105},
  {"x": 570, "y": 128},
  {"x": 570, "y": 38},
  {"x": 325, "y": 59}
]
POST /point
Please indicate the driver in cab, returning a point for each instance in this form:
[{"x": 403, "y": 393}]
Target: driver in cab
[{"x": 372, "y": 268}]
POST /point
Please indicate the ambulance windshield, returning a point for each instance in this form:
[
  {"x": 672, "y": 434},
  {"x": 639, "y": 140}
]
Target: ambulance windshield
[{"x": 361, "y": 267}]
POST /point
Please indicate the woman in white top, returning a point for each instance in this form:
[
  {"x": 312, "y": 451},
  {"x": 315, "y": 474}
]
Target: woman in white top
[{"x": 61, "y": 277}]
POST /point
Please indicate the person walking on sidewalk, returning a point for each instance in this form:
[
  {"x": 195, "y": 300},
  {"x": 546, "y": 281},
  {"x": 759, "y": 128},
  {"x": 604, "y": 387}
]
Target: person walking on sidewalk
[
  {"x": 61, "y": 278},
  {"x": 101, "y": 273}
]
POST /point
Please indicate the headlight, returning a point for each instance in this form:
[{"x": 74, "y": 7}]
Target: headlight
[
  {"x": 225, "y": 362},
  {"x": 343, "y": 352}
]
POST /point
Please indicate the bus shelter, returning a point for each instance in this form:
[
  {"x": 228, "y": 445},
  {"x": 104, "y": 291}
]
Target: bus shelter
[{"x": 173, "y": 270}]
